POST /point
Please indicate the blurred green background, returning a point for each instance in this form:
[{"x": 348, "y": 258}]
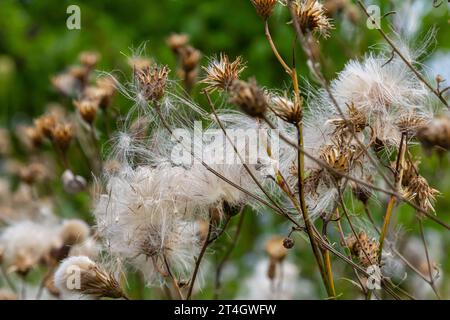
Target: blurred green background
[{"x": 36, "y": 44}]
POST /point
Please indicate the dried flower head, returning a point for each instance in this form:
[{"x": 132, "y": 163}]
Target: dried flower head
[
  {"x": 190, "y": 58},
  {"x": 35, "y": 172},
  {"x": 221, "y": 73},
  {"x": 89, "y": 58},
  {"x": 410, "y": 171},
  {"x": 80, "y": 275},
  {"x": 275, "y": 248},
  {"x": 410, "y": 122},
  {"x": 176, "y": 41},
  {"x": 420, "y": 191},
  {"x": 66, "y": 84},
  {"x": 62, "y": 135},
  {"x": 264, "y": 8},
  {"x": 286, "y": 109},
  {"x": 139, "y": 63},
  {"x": 74, "y": 231},
  {"x": 152, "y": 82},
  {"x": 436, "y": 134},
  {"x": 311, "y": 17},
  {"x": 365, "y": 249},
  {"x": 249, "y": 96},
  {"x": 34, "y": 136},
  {"x": 87, "y": 109},
  {"x": 338, "y": 157},
  {"x": 24, "y": 245},
  {"x": 101, "y": 94},
  {"x": 46, "y": 123},
  {"x": 355, "y": 120}
]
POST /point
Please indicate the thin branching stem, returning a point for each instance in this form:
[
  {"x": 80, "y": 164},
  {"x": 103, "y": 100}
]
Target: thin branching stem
[
  {"x": 427, "y": 255},
  {"x": 227, "y": 255},
  {"x": 398, "y": 182},
  {"x": 400, "y": 54}
]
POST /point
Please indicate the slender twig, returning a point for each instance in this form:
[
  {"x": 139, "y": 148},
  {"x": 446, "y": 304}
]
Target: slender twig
[
  {"x": 327, "y": 261},
  {"x": 398, "y": 182},
  {"x": 430, "y": 268},
  {"x": 227, "y": 255},
  {"x": 344, "y": 243},
  {"x": 198, "y": 260},
  {"x": 174, "y": 281},
  {"x": 306, "y": 218},
  {"x": 8, "y": 280}
]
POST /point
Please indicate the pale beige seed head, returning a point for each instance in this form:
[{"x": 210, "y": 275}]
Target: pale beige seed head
[
  {"x": 89, "y": 58},
  {"x": 176, "y": 41},
  {"x": 87, "y": 109},
  {"x": 422, "y": 193},
  {"x": 62, "y": 135},
  {"x": 93, "y": 280},
  {"x": 286, "y": 109},
  {"x": 221, "y": 73},
  {"x": 311, "y": 17},
  {"x": 35, "y": 172},
  {"x": 435, "y": 134},
  {"x": 365, "y": 249},
  {"x": 46, "y": 123},
  {"x": 74, "y": 231}
]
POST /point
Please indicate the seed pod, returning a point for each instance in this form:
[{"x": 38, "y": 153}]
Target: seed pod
[{"x": 288, "y": 243}]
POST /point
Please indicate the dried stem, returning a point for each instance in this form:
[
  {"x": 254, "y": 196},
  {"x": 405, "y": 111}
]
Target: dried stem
[
  {"x": 174, "y": 281},
  {"x": 227, "y": 255},
  {"x": 398, "y": 182},
  {"x": 430, "y": 268},
  {"x": 198, "y": 260}
]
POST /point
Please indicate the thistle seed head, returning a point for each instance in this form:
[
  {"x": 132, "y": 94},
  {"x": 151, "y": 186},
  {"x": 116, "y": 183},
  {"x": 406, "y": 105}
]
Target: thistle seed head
[
  {"x": 93, "y": 280},
  {"x": 286, "y": 109},
  {"x": 420, "y": 191},
  {"x": 311, "y": 17},
  {"x": 251, "y": 98},
  {"x": 62, "y": 135},
  {"x": 365, "y": 249},
  {"x": 46, "y": 123},
  {"x": 221, "y": 73},
  {"x": 436, "y": 134},
  {"x": 35, "y": 172},
  {"x": 176, "y": 41},
  {"x": 89, "y": 58},
  {"x": 152, "y": 82},
  {"x": 264, "y": 8},
  {"x": 87, "y": 109}
]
